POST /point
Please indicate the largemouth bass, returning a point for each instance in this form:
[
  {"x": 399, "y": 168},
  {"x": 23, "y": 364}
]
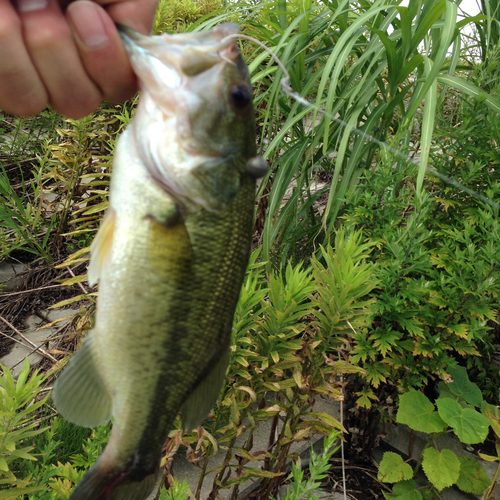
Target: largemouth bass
[{"x": 170, "y": 257}]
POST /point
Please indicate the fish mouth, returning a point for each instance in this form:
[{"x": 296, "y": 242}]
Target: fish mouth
[
  {"x": 184, "y": 112},
  {"x": 187, "y": 54}
]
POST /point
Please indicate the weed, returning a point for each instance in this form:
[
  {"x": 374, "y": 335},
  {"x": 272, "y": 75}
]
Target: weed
[{"x": 300, "y": 489}]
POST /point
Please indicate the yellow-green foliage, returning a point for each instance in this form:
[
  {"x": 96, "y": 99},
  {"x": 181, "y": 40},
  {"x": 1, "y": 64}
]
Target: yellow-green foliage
[
  {"x": 175, "y": 16},
  {"x": 18, "y": 404}
]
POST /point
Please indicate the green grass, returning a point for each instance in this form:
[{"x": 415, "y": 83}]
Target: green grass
[{"x": 376, "y": 91}]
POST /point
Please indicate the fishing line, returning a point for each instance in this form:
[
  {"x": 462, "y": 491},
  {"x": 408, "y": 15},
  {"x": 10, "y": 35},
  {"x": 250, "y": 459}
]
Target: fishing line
[{"x": 288, "y": 90}]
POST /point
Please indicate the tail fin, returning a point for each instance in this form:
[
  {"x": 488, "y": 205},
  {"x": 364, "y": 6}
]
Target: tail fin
[{"x": 99, "y": 484}]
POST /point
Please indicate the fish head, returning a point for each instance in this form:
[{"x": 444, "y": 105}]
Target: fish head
[{"x": 195, "y": 126}]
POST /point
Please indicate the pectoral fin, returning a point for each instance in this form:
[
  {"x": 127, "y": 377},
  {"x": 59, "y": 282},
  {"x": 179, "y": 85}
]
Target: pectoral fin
[
  {"x": 101, "y": 246},
  {"x": 80, "y": 394},
  {"x": 202, "y": 399}
]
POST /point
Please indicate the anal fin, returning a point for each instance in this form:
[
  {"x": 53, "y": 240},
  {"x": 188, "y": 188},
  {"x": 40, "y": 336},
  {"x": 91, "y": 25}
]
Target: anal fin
[
  {"x": 80, "y": 394},
  {"x": 203, "y": 398},
  {"x": 101, "y": 246}
]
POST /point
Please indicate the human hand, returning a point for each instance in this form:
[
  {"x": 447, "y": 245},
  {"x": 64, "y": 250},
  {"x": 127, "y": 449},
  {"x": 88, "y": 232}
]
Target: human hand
[{"x": 69, "y": 59}]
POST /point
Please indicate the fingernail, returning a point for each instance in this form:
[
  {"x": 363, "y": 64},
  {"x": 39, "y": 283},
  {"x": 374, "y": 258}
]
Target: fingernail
[
  {"x": 29, "y": 5},
  {"x": 85, "y": 18}
]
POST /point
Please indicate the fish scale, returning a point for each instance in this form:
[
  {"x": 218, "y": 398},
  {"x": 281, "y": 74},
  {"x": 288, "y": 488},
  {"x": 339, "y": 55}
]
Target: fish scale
[{"x": 170, "y": 257}]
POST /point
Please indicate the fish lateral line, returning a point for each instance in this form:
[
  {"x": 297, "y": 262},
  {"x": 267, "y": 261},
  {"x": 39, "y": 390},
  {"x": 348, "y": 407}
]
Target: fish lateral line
[{"x": 288, "y": 90}]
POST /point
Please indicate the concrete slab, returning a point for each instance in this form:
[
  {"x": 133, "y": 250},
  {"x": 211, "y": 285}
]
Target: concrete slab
[
  {"x": 319, "y": 496},
  {"x": 14, "y": 360},
  {"x": 12, "y": 276},
  {"x": 41, "y": 338}
]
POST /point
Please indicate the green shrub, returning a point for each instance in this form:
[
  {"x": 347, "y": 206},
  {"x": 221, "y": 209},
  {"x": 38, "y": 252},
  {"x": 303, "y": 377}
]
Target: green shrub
[{"x": 437, "y": 297}]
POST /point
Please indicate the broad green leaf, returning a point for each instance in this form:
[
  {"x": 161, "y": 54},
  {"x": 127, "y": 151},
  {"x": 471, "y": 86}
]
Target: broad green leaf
[
  {"x": 341, "y": 53},
  {"x": 444, "y": 391},
  {"x": 462, "y": 387},
  {"x": 425, "y": 25},
  {"x": 406, "y": 490},
  {"x": 393, "y": 469},
  {"x": 418, "y": 413},
  {"x": 427, "y": 125},
  {"x": 392, "y": 59},
  {"x": 23, "y": 453},
  {"x": 470, "y": 90},
  {"x": 448, "y": 33},
  {"x": 3, "y": 464},
  {"x": 469, "y": 425},
  {"x": 327, "y": 419},
  {"x": 492, "y": 414},
  {"x": 442, "y": 468},
  {"x": 428, "y": 493},
  {"x": 74, "y": 280},
  {"x": 472, "y": 478},
  {"x": 487, "y": 458}
]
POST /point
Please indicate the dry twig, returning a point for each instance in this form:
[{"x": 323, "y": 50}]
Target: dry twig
[
  {"x": 9, "y": 294},
  {"x": 32, "y": 344}
]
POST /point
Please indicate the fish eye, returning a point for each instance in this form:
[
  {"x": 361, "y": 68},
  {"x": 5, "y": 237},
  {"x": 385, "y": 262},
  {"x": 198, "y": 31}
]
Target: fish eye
[{"x": 240, "y": 96}]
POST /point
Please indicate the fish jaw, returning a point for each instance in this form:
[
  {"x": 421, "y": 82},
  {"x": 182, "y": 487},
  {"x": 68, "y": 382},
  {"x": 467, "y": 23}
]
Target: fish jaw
[
  {"x": 195, "y": 124},
  {"x": 186, "y": 53}
]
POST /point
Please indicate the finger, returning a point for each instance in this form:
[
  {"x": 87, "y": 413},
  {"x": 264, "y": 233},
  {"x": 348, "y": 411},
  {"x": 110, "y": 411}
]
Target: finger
[
  {"x": 21, "y": 90},
  {"x": 136, "y": 14},
  {"x": 102, "y": 51},
  {"x": 52, "y": 49}
]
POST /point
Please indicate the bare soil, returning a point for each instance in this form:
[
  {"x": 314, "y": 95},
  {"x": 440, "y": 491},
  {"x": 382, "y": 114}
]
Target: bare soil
[{"x": 361, "y": 481}]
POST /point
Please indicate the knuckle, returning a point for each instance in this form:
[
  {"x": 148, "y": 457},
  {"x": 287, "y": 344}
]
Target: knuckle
[{"x": 47, "y": 36}]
